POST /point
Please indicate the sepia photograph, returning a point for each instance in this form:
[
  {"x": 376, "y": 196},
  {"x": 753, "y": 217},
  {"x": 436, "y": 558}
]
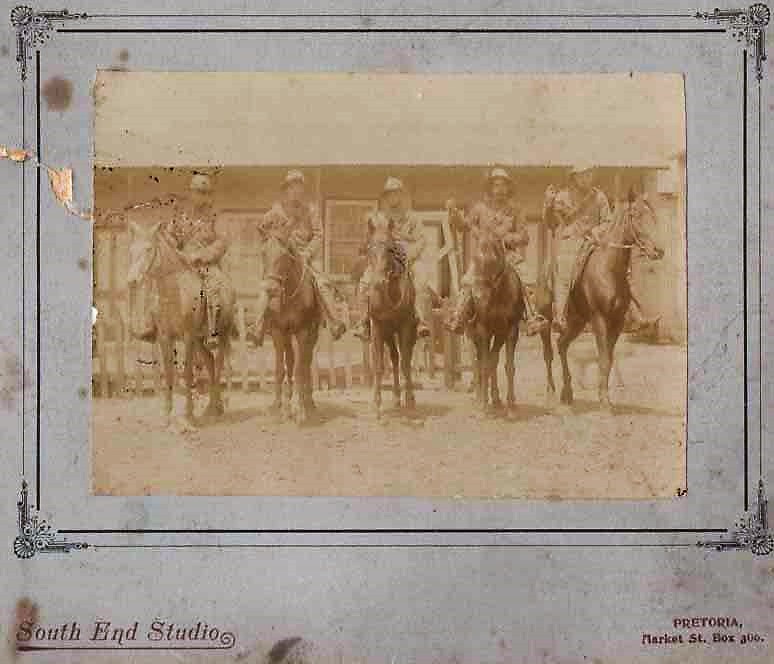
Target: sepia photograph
[{"x": 396, "y": 285}]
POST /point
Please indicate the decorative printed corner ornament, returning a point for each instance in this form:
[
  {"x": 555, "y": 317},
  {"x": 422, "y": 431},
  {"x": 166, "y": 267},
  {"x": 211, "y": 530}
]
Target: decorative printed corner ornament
[
  {"x": 33, "y": 29},
  {"x": 748, "y": 26},
  {"x": 751, "y": 531},
  {"x": 35, "y": 535}
]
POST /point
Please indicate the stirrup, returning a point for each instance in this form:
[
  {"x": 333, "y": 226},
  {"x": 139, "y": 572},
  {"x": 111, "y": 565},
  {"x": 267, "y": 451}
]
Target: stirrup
[
  {"x": 337, "y": 329},
  {"x": 256, "y": 335},
  {"x": 423, "y": 330},
  {"x": 456, "y": 323},
  {"x": 363, "y": 331},
  {"x": 536, "y": 324}
]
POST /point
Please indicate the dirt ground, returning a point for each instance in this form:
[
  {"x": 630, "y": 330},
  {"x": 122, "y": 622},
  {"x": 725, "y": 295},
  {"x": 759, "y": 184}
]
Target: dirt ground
[{"x": 443, "y": 449}]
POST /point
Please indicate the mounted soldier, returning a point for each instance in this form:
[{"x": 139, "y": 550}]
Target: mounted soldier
[
  {"x": 192, "y": 231},
  {"x": 299, "y": 221},
  {"x": 575, "y": 212},
  {"x": 394, "y": 220},
  {"x": 498, "y": 214}
]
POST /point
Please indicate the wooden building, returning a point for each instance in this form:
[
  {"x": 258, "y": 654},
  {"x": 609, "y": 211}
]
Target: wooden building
[{"x": 344, "y": 194}]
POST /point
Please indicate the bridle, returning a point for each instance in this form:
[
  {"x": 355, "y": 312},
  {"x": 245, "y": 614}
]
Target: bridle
[
  {"x": 391, "y": 274},
  {"x": 494, "y": 282},
  {"x": 280, "y": 279},
  {"x": 627, "y": 221}
]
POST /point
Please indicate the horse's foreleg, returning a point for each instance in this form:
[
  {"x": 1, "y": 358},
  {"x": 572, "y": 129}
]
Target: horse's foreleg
[
  {"x": 548, "y": 358},
  {"x": 188, "y": 374},
  {"x": 494, "y": 361},
  {"x": 510, "y": 368},
  {"x": 215, "y": 406},
  {"x": 392, "y": 344},
  {"x": 306, "y": 361},
  {"x": 170, "y": 373},
  {"x": 604, "y": 359},
  {"x": 290, "y": 365},
  {"x": 482, "y": 375},
  {"x": 279, "y": 371},
  {"x": 606, "y": 332},
  {"x": 302, "y": 344},
  {"x": 377, "y": 359},
  {"x": 574, "y": 328},
  {"x": 407, "y": 342}
]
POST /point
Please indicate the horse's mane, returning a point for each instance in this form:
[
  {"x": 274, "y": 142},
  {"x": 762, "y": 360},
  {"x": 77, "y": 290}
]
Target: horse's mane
[
  {"x": 382, "y": 241},
  {"x": 489, "y": 252},
  {"x": 170, "y": 255}
]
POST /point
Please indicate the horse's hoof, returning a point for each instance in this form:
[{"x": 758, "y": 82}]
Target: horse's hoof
[
  {"x": 606, "y": 408},
  {"x": 410, "y": 402},
  {"x": 214, "y": 410},
  {"x": 551, "y": 399},
  {"x": 563, "y": 409},
  {"x": 275, "y": 408},
  {"x": 183, "y": 425}
]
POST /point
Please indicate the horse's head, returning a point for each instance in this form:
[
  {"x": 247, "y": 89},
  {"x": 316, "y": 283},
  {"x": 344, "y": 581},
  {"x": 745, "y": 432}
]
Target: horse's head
[
  {"x": 386, "y": 257},
  {"x": 282, "y": 264},
  {"x": 636, "y": 220},
  {"x": 143, "y": 251},
  {"x": 488, "y": 266},
  {"x": 489, "y": 257}
]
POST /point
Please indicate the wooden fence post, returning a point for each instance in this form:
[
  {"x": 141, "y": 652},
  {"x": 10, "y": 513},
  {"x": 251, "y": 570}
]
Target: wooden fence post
[
  {"x": 243, "y": 345},
  {"x": 449, "y": 350},
  {"x": 121, "y": 358}
]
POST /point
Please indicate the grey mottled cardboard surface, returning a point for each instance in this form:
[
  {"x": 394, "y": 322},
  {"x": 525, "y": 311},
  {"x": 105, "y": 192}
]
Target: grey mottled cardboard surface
[{"x": 556, "y": 597}]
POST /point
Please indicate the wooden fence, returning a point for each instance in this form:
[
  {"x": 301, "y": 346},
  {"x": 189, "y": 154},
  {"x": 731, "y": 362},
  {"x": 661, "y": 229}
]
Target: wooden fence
[{"x": 125, "y": 367}]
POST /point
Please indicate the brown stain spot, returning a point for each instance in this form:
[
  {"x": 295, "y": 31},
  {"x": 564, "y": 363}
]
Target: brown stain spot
[
  {"x": 83, "y": 264},
  {"x": 83, "y": 392},
  {"x": 58, "y": 93},
  {"x": 123, "y": 55},
  {"x": 280, "y": 650},
  {"x": 4, "y": 50},
  {"x": 26, "y": 611},
  {"x": 10, "y": 377}
]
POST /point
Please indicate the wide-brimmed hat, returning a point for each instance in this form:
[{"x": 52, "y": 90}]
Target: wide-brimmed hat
[
  {"x": 392, "y": 184},
  {"x": 581, "y": 167},
  {"x": 292, "y": 176},
  {"x": 200, "y": 182},
  {"x": 498, "y": 173}
]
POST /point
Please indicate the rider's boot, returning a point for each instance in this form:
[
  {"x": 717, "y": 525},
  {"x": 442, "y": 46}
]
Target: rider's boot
[
  {"x": 422, "y": 305},
  {"x": 536, "y": 322},
  {"x": 336, "y": 326},
  {"x": 362, "y": 329},
  {"x": 461, "y": 314}
]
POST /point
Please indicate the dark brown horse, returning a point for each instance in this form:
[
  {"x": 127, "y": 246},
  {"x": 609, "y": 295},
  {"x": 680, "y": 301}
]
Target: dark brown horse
[
  {"x": 293, "y": 313},
  {"x": 158, "y": 269},
  {"x": 600, "y": 293},
  {"x": 498, "y": 307},
  {"x": 393, "y": 322}
]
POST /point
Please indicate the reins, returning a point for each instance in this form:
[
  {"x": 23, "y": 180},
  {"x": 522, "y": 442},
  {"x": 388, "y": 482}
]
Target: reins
[{"x": 279, "y": 278}]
